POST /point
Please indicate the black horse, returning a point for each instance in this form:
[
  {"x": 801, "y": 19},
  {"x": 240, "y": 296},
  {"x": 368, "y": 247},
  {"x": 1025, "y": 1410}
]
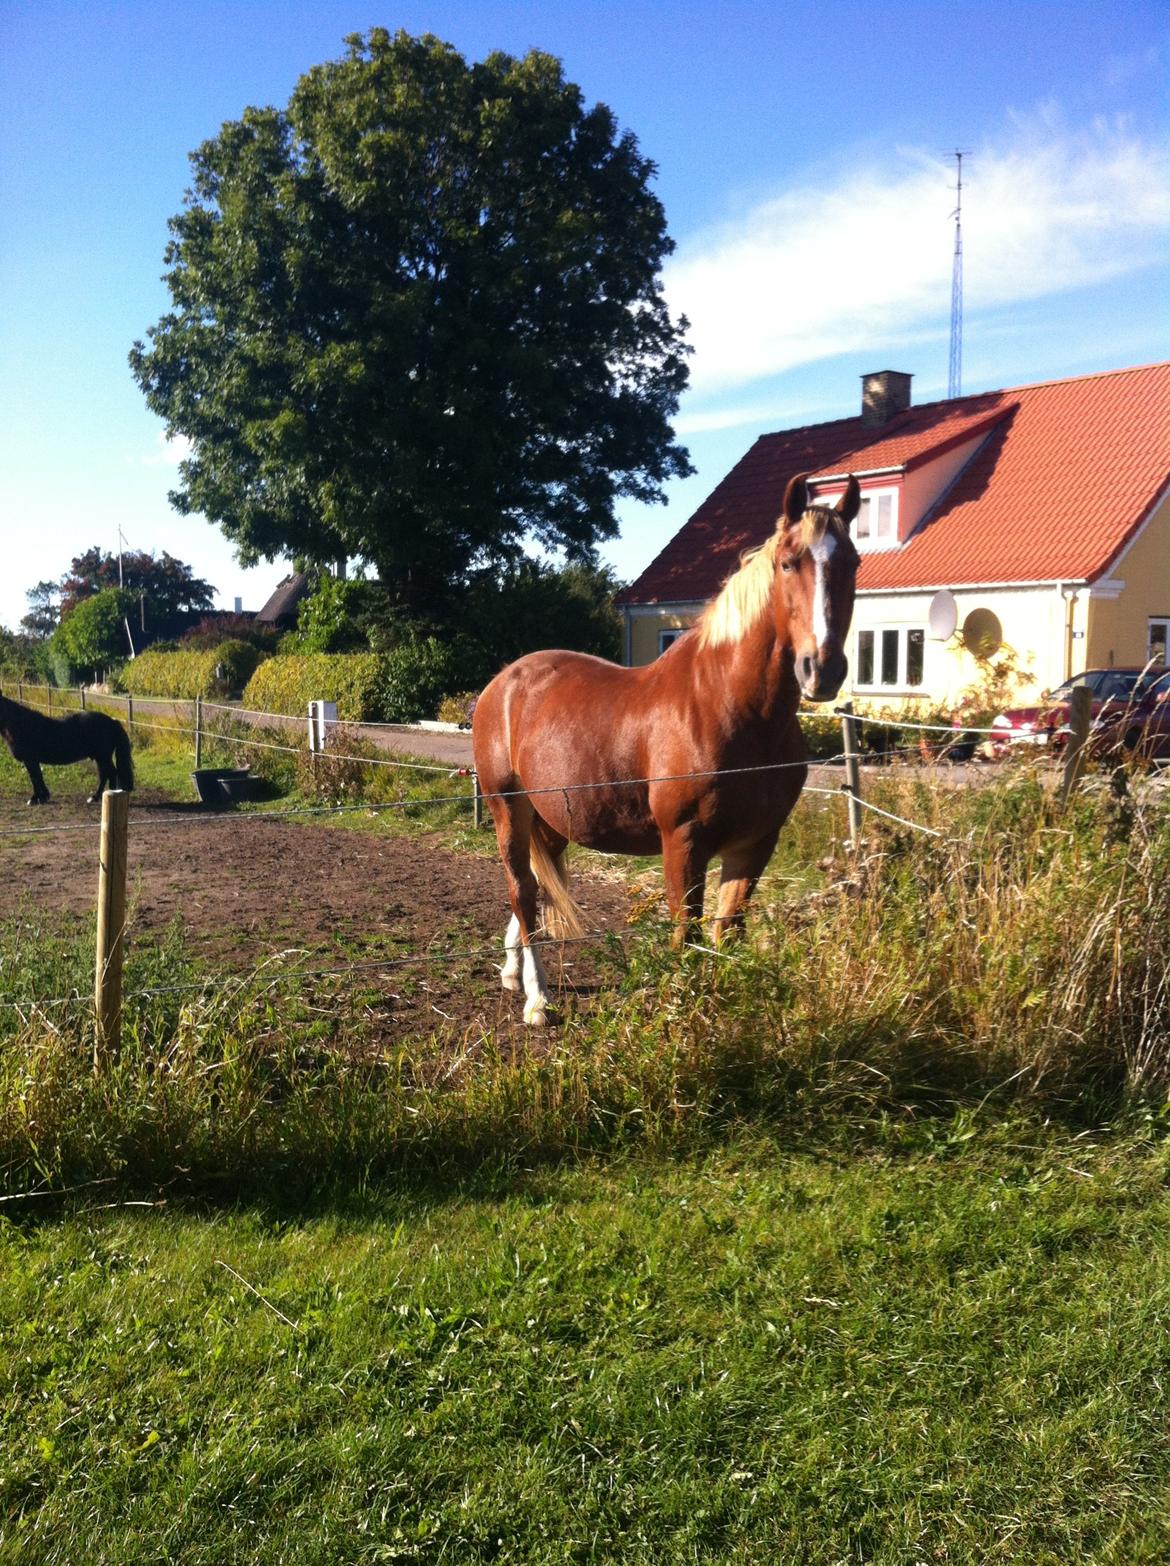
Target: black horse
[{"x": 32, "y": 738}]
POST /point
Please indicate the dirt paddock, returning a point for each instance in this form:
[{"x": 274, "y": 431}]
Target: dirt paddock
[{"x": 245, "y": 891}]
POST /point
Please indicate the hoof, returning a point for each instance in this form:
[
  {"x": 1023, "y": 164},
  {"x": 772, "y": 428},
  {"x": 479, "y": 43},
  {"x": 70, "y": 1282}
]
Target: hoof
[
  {"x": 39, "y": 799},
  {"x": 535, "y": 1016},
  {"x": 94, "y": 799},
  {"x": 510, "y": 981}
]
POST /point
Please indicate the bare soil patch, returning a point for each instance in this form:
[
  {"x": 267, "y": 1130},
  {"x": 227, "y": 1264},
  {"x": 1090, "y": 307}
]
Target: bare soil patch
[{"x": 425, "y": 920}]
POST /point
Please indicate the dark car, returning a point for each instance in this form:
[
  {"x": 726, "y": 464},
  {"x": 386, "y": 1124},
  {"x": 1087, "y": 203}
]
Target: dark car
[{"x": 1113, "y": 692}]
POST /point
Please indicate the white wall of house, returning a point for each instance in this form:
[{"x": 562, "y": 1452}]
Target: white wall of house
[{"x": 1042, "y": 627}]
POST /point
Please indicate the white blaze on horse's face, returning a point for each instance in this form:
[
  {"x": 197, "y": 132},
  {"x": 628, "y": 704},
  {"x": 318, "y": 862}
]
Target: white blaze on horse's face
[{"x": 822, "y": 553}]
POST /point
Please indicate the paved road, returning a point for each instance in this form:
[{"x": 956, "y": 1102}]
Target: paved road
[{"x": 450, "y": 747}]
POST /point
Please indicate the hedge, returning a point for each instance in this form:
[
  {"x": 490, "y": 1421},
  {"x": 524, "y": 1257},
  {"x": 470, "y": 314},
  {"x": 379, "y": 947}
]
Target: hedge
[
  {"x": 185, "y": 675},
  {"x": 399, "y": 686},
  {"x": 287, "y": 684}
]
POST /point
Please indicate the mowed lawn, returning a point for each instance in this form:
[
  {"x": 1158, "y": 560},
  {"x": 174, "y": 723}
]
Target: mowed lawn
[{"x": 950, "y": 1347}]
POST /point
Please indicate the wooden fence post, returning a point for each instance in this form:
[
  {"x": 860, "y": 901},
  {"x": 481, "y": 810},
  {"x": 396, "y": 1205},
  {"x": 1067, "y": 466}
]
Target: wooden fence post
[
  {"x": 477, "y": 808},
  {"x": 49, "y": 700},
  {"x": 81, "y": 697},
  {"x": 852, "y": 772},
  {"x": 130, "y": 716},
  {"x": 111, "y": 921},
  {"x": 1074, "y": 756},
  {"x": 198, "y": 732}
]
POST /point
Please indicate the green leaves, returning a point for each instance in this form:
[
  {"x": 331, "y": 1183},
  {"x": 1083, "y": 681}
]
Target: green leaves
[
  {"x": 94, "y": 634},
  {"x": 417, "y": 319}
]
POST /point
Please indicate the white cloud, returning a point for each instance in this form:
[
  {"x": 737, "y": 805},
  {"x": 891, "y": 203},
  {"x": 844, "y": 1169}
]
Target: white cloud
[
  {"x": 168, "y": 451},
  {"x": 866, "y": 262}
]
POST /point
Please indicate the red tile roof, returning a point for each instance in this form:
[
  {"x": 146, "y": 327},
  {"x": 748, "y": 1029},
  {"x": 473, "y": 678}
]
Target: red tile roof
[{"x": 1066, "y": 475}]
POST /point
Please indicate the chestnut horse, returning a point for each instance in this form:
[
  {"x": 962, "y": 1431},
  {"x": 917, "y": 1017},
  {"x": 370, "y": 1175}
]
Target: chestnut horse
[{"x": 697, "y": 755}]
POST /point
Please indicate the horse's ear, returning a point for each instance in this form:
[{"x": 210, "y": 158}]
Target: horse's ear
[
  {"x": 850, "y": 502},
  {"x": 796, "y": 498}
]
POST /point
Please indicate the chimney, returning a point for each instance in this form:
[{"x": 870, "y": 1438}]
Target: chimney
[
  {"x": 239, "y": 603},
  {"x": 883, "y": 394}
]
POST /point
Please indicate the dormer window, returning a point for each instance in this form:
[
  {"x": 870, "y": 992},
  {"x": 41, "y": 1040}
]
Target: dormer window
[
  {"x": 877, "y": 521},
  {"x": 876, "y": 526}
]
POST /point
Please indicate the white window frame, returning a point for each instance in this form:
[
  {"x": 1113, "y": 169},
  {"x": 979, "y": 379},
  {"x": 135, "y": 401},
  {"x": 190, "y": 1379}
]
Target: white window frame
[
  {"x": 901, "y": 685},
  {"x": 867, "y": 544},
  {"x": 670, "y": 634},
  {"x": 1163, "y": 622}
]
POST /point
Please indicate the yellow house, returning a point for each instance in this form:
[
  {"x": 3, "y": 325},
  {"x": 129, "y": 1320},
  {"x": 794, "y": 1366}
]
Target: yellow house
[{"x": 1033, "y": 522}]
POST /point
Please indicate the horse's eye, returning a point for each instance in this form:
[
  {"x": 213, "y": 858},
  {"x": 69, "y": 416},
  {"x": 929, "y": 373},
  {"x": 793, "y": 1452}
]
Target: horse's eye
[{"x": 788, "y": 565}]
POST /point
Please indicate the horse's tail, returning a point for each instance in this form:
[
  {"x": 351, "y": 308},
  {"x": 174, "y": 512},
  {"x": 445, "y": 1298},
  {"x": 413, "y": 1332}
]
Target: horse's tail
[
  {"x": 562, "y": 915},
  {"x": 123, "y": 760}
]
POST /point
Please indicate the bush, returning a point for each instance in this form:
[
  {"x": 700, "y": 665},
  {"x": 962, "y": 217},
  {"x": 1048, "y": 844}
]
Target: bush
[
  {"x": 289, "y": 682},
  {"x": 221, "y": 671},
  {"x": 458, "y": 708},
  {"x": 341, "y": 615},
  {"x": 215, "y": 629},
  {"x": 536, "y": 605},
  {"x": 400, "y": 686},
  {"x": 93, "y": 635},
  {"x": 415, "y": 677}
]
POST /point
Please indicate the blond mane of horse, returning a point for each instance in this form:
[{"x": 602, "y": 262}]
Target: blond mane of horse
[{"x": 745, "y": 596}]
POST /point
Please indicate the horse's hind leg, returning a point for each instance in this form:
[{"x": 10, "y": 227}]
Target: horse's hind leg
[
  {"x": 106, "y": 778},
  {"x": 522, "y": 964},
  {"x": 40, "y": 793}
]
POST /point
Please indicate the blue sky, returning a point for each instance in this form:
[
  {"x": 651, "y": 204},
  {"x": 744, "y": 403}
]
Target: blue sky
[{"x": 802, "y": 155}]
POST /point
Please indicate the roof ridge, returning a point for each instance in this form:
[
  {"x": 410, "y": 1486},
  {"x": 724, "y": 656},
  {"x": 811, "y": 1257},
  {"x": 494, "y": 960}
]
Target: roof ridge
[
  {"x": 822, "y": 424},
  {"x": 1057, "y": 380}
]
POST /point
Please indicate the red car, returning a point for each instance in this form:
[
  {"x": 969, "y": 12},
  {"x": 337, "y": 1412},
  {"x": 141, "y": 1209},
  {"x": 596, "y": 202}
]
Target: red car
[
  {"x": 1115, "y": 693},
  {"x": 1139, "y": 727}
]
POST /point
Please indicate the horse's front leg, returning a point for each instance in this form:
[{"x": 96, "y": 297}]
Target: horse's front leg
[
  {"x": 40, "y": 793},
  {"x": 742, "y": 866},
  {"x": 684, "y": 866}
]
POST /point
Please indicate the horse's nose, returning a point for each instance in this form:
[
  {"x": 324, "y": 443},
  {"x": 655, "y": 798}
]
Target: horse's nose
[{"x": 821, "y": 681}]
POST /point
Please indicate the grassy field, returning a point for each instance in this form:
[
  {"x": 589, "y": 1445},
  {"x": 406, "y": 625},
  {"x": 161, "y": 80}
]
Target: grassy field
[
  {"x": 847, "y": 1246},
  {"x": 951, "y": 1349}
]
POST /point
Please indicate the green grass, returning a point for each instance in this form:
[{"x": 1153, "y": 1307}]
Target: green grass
[
  {"x": 953, "y": 1350},
  {"x": 810, "y": 1252}
]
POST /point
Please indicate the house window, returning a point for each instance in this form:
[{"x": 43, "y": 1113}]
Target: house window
[
  {"x": 890, "y": 640},
  {"x": 915, "y": 656},
  {"x": 666, "y": 638},
  {"x": 893, "y": 657},
  {"x": 877, "y": 522},
  {"x": 865, "y": 657},
  {"x": 1156, "y": 643}
]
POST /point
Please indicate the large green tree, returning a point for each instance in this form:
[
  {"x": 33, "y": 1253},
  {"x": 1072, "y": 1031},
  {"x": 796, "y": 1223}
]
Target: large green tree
[{"x": 417, "y": 318}]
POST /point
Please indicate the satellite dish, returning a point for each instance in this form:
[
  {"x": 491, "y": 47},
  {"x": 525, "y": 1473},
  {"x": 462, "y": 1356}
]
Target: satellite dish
[
  {"x": 942, "y": 616},
  {"x": 982, "y": 633}
]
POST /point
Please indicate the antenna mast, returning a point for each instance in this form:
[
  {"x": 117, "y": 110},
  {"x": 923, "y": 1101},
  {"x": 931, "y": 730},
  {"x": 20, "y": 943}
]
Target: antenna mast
[{"x": 955, "y": 378}]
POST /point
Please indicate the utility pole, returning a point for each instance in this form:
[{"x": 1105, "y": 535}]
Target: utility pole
[{"x": 955, "y": 377}]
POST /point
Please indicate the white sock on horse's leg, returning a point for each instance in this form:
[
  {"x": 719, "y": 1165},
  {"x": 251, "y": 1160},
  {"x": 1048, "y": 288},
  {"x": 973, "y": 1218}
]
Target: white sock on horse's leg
[
  {"x": 510, "y": 972},
  {"x": 535, "y": 988}
]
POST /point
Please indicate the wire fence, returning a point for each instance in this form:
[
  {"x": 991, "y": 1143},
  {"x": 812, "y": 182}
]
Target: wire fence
[{"x": 850, "y": 757}]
